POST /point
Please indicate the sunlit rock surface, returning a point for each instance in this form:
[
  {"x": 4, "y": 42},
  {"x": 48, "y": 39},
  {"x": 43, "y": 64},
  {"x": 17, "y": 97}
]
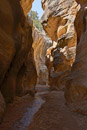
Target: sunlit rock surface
[
  {"x": 26, "y": 5},
  {"x": 40, "y": 45},
  {"x": 58, "y": 22}
]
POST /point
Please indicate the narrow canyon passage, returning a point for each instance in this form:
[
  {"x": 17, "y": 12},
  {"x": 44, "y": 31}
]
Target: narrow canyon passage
[
  {"x": 55, "y": 115},
  {"x": 46, "y": 111},
  {"x": 43, "y": 65}
]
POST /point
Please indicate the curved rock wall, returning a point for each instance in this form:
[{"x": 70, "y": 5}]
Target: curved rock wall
[
  {"x": 2, "y": 106},
  {"x": 26, "y": 5},
  {"x": 77, "y": 85},
  {"x": 15, "y": 48},
  {"x": 58, "y": 22},
  {"x": 40, "y": 45}
]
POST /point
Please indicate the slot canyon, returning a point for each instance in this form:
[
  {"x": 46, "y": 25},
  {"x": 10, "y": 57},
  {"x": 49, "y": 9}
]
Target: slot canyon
[{"x": 43, "y": 72}]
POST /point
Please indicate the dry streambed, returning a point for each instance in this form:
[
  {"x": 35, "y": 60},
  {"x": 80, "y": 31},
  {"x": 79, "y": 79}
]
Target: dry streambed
[{"x": 47, "y": 111}]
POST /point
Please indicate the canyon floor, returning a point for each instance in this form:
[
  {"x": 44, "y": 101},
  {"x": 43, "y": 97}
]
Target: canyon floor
[{"x": 47, "y": 111}]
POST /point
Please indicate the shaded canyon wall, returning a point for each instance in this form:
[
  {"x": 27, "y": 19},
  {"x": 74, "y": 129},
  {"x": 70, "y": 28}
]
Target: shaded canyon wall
[
  {"x": 77, "y": 84},
  {"x": 16, "y": 52}
]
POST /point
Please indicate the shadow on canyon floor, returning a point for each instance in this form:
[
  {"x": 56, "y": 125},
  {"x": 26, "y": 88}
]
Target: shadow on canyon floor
[{"x": 47, "y": 111}]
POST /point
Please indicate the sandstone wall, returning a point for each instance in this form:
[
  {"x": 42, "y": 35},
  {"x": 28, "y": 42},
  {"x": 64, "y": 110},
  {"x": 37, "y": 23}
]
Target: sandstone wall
[
  {"x": 40, "y": 45},
  {"x": 77, "y": 84},
  {"x": 15, "y": 48},
  {"x": 58, "y": 22},
  {"x": 26, "y": 5}
]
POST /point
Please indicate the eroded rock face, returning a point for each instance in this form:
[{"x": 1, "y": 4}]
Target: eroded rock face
[
  {"x": 58, "y": 22},
  {"x": 26, "y": 5},
  {"x": 58, "y": 18},
  {"x": 40, "y": 45},
  {"x": 18, "y": 74},
  {"x": 2, "y": 106},
  {"x": 27, "y": 76},
  {"x": 77, "y": 84},
  {"x": 15, "y": 43}
]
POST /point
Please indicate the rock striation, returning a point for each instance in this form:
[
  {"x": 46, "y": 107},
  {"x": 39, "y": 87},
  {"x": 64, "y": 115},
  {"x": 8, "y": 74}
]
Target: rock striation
[
  {"x": 26, "y": 5},
  {"x": 77, "y": 84},
  {"x": 58, "y": 22}
]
